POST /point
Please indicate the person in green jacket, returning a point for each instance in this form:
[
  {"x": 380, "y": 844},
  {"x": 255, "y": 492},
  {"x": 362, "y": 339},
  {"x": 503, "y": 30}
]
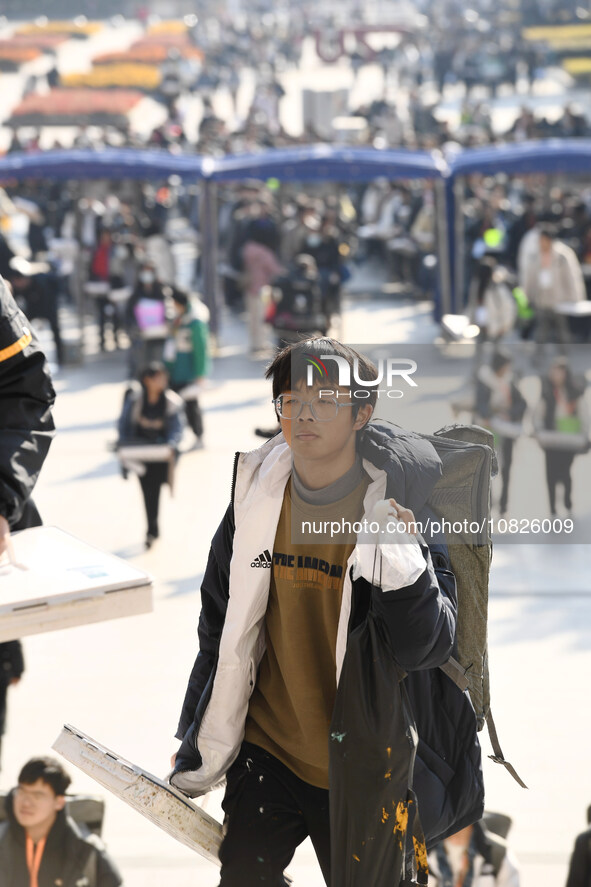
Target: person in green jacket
[{"x": 186, "y": 356}]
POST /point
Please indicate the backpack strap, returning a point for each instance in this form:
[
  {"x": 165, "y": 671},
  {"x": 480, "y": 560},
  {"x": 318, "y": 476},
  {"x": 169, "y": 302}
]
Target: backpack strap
[
  {"x": 454, "y": 670},
  {"x": 457, "y": 674},
  {"x": 498, "y": 756}
]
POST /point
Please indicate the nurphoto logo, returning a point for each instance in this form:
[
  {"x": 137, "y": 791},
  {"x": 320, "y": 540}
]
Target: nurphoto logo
[{"x": 389, "y": 369}]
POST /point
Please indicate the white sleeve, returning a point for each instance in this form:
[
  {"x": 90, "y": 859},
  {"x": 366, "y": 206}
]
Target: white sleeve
[{"x": 386, "y": 555}]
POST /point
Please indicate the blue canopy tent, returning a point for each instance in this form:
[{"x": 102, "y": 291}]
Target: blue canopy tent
[
  {"x": 549, "y": 156},
  {"x": 108, "y": 163},
  {"x": 326, "y": 163},
  {"x": 316, "y": 163}
]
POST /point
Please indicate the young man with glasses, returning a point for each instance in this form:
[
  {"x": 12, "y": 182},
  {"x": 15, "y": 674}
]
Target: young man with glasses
[
  {"x": 277, "y": 605},
  {"x": 40, "y": 844}
]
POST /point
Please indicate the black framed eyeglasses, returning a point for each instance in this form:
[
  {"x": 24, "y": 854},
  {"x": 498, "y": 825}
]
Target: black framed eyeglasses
[{"x": 323, "y": 409}]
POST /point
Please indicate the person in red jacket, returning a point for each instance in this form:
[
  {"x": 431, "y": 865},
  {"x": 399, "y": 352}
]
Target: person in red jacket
[{"x": 100, "y": 272}]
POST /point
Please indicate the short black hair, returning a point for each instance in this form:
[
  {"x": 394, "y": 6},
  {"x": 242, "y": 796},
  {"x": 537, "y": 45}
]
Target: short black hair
[
  {"x": 290, "y": 367},
  {"x": 500, "y": 359},
  {"x": 548, "y": 231},
  {"x": 47, "y": 769},
  {"x": 180, "y": 296},
  {"x": 152, "y": 369}
]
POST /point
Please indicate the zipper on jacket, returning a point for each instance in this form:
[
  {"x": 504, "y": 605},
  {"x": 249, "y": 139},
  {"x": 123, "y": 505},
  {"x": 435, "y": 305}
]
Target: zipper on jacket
[{"x": 234, "y": 475}]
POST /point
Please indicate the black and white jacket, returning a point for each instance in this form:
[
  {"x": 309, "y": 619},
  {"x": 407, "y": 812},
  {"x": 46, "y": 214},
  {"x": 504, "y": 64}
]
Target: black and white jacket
[
  {"x": 72, "y": 856},
  {"x": 419, "y": 620}
]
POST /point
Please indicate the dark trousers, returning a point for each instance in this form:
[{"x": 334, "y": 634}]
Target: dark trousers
[
  {"x": 551, "y": 326},
  {"x": 192, "y": 411},
  {"x": 3, "y": 695},
  {"x": 151, "y": 484},
  {"x": 558, "y": 466},
  {"x": 49, "y": 312},
  {"x": 269, "y": 811},
  {"x": 194, "y": 416},
  {"x": 506, "y": 448},
  {"x": 107, "y": 312}
]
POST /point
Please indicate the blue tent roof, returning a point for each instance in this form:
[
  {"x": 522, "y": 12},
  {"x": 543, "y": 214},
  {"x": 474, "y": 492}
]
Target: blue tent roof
[
  {"x": 315, "y": 163},
  {"x": 110, "y": 163},
  {"x": 310, "y": 163},
  {"x": 543, "y": 156},
  {"x": 325, "y": 163}
]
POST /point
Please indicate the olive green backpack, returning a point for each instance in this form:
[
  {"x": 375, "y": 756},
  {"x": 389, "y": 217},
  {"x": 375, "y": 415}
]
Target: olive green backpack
[{"x": 463, "y": 494}]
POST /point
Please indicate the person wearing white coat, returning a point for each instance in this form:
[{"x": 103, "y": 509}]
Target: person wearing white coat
[{"x": 474, "y": 857}]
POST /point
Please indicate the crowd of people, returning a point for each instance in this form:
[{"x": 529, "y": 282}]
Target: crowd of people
[
  {"x": 559, "y": 421},
  {"x": 481, "y": 51},
  {"x": 262, "y": 231}
]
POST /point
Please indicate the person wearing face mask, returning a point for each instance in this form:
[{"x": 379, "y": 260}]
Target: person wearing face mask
[
  {"x": 151, "y": 414},
  {"x": 103, "y": 270},
  {"x": 562, "y": 409},
  {"x": 146, "y": 315},
  {"x": 159, "y": 252},
  {"x": 324, "y": 247},
  {"x": 552, "y": 275},
  {"x": 261, "y": 266},
  {"x": 498, "y": 397}
]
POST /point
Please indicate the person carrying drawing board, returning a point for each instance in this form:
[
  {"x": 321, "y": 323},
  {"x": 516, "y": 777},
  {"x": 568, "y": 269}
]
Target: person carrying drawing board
[
  {"x": 152, "y": 414},
  {"x": 281, "y": 687},
  {"x": 26, "y": 431},
  {"x": 26, "y": 422}
]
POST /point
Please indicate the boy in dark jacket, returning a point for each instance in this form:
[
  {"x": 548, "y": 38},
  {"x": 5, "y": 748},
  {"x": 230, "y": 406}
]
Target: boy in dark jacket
[
  {"x": 279, "y": 604},
  {"x": 40, "y": 844},
  {"x": 12, "y": 665}
]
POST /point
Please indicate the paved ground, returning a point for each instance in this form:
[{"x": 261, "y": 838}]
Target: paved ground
[{"x": 123, "y": 681}]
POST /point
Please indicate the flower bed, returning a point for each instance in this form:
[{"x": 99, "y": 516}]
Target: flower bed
[
  {"x": 561, "y": 37},
  {"x": 170, "y": 26},
  {"x": 75, "y": 107},
  {"x": 578, "y": 67},
  {"x": 136, "y": 76},
  {"x": 12, "y": 57},
  {"x": 44, "y": 42},
  {"x": 179, "y": 41},
  {"x": 72, "y": 28},
  {"x": 152, "y": 54}
]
